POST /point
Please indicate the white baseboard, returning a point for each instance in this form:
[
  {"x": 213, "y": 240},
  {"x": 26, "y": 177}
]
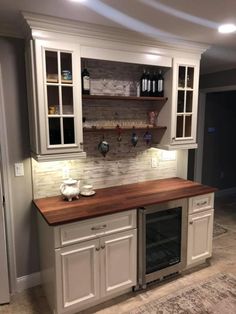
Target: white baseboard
[
  {"x": 28, "y": 281},
  {"x": 225, "y": 192}
]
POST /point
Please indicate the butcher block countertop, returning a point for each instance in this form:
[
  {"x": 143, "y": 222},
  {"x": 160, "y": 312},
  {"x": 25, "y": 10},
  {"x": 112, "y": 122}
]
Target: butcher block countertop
[{"x": 115, "y": 199}]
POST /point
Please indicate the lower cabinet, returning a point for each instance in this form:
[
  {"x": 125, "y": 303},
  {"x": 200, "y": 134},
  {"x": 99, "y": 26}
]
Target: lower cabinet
[
  {"x": 87, "y": 262},
  {"x": 200, "y": 233},
  {"x": 95, "y": 269},
  {"x": 77, "y": 275}
]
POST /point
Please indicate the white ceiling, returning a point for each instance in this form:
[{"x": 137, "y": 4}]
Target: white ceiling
[{"x": 194, "y": 20}]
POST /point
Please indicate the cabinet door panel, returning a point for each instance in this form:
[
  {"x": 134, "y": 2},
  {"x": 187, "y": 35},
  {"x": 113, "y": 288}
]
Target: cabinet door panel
[
  {"x": 119, "y": 258},
  {"x": 58, "y": 97},
  {"x": 185, "y": 94},
  {"x": 77, "y": 271},
  {"x": 200, "y": 229}
]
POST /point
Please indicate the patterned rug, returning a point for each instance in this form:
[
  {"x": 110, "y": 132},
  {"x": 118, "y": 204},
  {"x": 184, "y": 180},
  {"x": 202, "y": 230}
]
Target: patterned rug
[
  {"x": 216, "y": 295},
  {"x": 218, "y": 230}
]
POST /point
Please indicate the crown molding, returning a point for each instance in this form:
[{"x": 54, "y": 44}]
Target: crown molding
[{"x": 75, "y": 28}]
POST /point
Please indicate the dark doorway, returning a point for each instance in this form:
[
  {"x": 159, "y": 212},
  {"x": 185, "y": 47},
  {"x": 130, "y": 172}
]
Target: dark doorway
[{"x": 219, "y": 149}]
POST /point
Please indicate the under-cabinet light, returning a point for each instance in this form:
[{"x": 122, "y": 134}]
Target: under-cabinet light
[
  {"x": 152, "y": 57},
  {"x": 227, "y": 28}
]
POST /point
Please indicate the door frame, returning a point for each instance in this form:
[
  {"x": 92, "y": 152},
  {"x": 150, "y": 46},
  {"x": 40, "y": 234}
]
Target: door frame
[
  {"x": 6, "y": 187},
  {"x": 198, "y": 156}
]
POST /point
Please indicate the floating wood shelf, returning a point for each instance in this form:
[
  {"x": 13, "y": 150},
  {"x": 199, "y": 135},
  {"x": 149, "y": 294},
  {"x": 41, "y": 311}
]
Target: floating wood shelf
[
  {"x": 110, "y": 97},
  {"x": 150, "y": 127}
]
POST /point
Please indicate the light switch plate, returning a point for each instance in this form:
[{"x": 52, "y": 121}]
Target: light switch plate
[{"x": 19, "y": 169}]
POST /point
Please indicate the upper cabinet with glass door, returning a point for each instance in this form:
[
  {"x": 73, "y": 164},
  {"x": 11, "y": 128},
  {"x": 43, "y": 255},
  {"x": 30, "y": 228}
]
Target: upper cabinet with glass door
[
  {"x": 184, "y": 103},
  {"x": 57, "y": 104}
]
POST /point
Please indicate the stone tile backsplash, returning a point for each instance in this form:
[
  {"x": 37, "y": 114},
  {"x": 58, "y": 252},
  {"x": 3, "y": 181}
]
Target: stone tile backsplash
[{"x": 117, "y": 168}]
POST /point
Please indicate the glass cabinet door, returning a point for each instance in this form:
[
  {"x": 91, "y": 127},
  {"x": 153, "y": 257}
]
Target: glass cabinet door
[
  {"x": 60, "y": 102},
  {"x": 184, "y": 114},
  {"x": 58, "y": 109}
]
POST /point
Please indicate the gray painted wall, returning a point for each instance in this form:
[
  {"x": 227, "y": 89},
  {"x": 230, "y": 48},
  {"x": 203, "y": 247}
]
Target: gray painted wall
[
  {"x": 15, "y": 99},
  {"x": 218, "y": 79}
]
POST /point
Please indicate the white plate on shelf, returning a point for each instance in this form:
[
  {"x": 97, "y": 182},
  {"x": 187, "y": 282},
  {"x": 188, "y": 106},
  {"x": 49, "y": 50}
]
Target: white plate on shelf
[{"x": 87, "y": 193}]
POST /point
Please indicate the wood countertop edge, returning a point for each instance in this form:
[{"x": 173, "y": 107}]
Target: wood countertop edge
[{"x": 68, "y": 212}]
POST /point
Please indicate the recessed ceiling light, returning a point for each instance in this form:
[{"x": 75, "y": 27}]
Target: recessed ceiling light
[{"x": 227, "y": 28}]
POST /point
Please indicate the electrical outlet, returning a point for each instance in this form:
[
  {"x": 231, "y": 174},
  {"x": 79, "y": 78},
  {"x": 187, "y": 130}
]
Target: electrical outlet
[
  {"x": 19, "y": 169},
  {"x": 154, "y": 162}
]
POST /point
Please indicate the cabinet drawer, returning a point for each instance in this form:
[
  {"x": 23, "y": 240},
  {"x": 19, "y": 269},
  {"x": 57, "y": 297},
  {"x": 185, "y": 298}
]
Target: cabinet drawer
[
  {"x": 94, "y": 228},
  {"x": 200, "y": 203}
]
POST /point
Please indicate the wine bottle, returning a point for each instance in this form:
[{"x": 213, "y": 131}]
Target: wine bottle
[
  {"x": 143, "y": 84},
  {"x": 160, "y": 84},
  {"x": 148, "y": 84},
  {"x": 85, "y": 82},
  {"x": 154, "y": 85}
]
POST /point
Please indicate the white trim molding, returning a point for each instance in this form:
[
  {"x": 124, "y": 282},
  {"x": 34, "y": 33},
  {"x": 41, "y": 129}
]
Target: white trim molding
[{"x": 29, "y": 281}]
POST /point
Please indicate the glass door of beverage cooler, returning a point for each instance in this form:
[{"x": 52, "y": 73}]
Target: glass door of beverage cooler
[{"x": 163, "y": 239}]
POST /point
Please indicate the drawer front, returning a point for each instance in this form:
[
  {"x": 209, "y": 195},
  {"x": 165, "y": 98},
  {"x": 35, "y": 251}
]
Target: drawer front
[
  {"x": 93, "y": 228},
  {"x": 200, "y": 203}
]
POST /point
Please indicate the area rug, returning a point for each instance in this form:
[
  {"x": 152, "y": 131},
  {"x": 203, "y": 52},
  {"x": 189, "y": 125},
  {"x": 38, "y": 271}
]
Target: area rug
[
  {"x": 218, "y": 230},
  {"x": 216, "y": 295}
]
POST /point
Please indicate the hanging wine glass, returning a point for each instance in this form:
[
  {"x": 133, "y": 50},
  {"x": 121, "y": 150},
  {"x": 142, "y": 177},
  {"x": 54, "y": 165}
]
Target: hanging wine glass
[
  {"x": 134, "y": 138},
  {"x": 147, "y": 137},
  {"x": 103, "y": 146},
  {"x": 119, "y": 138}
]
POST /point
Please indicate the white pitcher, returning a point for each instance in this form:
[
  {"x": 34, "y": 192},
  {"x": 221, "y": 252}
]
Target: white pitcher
[{"x": 70, "y": 189}]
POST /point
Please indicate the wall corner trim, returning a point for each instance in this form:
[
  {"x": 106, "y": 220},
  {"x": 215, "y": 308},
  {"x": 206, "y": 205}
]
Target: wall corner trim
[{"x": 28, "y": 281}]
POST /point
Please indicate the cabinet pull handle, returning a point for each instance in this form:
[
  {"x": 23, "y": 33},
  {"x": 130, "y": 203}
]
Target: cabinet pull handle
[
  {"x": 97, "y": 248},
  {"x": 191, "y": 222},
  {"x": 102, "y": 247},
  {"x": 99, "y": 227},
  {"x": 202, "y": 203}
]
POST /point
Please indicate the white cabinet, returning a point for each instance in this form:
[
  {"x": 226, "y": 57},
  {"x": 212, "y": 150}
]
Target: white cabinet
[
  {"x": 182, "y": 90},
  {"x": 95, "y": 269},
  {"x": 55, "y": 99},
  {"x": 200, "y": 229},
  {"x": 88, "y": 262}
]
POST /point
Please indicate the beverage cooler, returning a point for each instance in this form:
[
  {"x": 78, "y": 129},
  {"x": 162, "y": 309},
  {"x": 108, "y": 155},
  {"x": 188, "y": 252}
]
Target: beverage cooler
[{"x": 162, "y": 240}]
